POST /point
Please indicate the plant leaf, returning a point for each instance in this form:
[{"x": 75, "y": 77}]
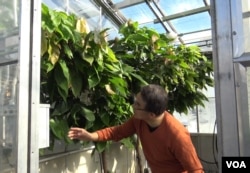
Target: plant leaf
[
  {"x": 61, "y": 76},
  {"x": 76, "y": 82},
  {"x": 89, "y": 115},
  {"x": 59, "y": 128}
]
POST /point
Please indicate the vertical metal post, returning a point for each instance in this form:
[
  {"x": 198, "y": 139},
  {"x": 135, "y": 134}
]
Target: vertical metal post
[
  {"x": 29, "y": 86},
  {"x": 242, "y": 109},
  {"x": 23, "y": 87},
  {"x": 229, "y": 93},
  {"x": 35, "y": 86},
  {"x": 224, "y": 78}
]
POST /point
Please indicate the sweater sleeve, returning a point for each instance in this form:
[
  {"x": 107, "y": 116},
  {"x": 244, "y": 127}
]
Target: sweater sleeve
[
  {"x": 186, "y": 154},
  {"x": 117, "y": 133}
]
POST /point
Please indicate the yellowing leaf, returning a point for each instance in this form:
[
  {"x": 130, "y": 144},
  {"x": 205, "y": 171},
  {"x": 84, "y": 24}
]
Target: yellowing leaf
[
  {"x": 154, "y": 38},
  {"x": 54, "y": 53},
  {"x": 109, "y": 90},
  {"x": 44, "y": 44},
  {"x": 82, "y": 26}
]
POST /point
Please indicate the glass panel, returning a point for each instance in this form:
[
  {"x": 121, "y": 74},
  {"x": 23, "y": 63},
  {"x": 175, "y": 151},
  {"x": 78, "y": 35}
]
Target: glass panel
[
  {"x": 86, "y": 9},
  {"x": 194, "y": 38},
  {"x": 201, "y": 119},
  {"x": 8, "y": 46},
  {"x": 198, "y": 22},
  {"x": 8, "y": 117},
  {"x": 140, "y": 13},
  {"x": 9, "y": 43},
  {"x": 56, "y": 4},
  {"x": 113, "y": 29},
  {"x": 158, "y": 27},
  {"x": 207, "y": 117},
  {"x": 105, "y": 23},
  {"x": 177, "y": 6},
  {"x": 117, "y": 1},
  {"x": 192, "y": 23},
  {"x": 189, "y": 120},
  {"x": 8, "y": 13},
  {"x": 203, "y": 39},
  {"x": 246, "y": 24}
]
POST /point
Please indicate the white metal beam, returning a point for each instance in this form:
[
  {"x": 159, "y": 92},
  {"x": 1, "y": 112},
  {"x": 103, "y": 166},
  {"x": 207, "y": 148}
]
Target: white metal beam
[
  {"x": 184, "y": 14},
  {"x": 127, "y": 3},
  {"x": 23, "y": 87}
]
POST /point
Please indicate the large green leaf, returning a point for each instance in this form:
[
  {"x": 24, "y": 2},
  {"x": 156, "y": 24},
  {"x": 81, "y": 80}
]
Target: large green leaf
[
  {"x": 59, "y": 128},
  {"x": 138, "y": 38},
  {"x": 67, "y": 50},
  {"x": 61, "y": 76},
  {"x": 139, "y": 78},
  {"x": 93, "y": 80},
  {"x": 105, "y": 118},
  {"x": 55, "y": 17},
  {"x": 63, "y": 93},
  {"x": 76, "y": 82},
  {"x": 89, "y": 115},
  {"x": 67, "y": 32},
  {"x": 44, "y": 43},
  {"x": 60, "y": 109},
  {"x": 111, "y": 56},
  {"x": 89, "y": 59}
]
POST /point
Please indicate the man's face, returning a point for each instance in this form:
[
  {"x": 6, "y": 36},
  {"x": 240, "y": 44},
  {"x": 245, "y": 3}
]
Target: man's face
[{"x": 139, "y": 107}]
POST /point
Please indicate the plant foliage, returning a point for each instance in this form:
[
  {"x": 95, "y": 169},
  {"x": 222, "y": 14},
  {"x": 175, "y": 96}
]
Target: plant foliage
[{"x": 87, "y": 80}]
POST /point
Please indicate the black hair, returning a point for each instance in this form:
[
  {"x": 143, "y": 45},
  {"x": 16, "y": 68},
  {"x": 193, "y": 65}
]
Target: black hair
[{"x": 155, "y": 97}]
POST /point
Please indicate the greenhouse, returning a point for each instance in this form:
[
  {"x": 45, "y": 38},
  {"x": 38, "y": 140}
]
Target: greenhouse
[{"x": 87, "y": 86}]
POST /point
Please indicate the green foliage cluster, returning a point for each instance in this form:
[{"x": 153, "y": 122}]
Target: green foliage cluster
[
  {"x": 87, "y": 80},
  {"x": 183, "y": 71}
]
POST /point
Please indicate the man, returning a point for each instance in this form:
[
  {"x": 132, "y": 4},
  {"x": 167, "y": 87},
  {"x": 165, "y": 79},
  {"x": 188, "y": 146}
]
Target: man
[{"x": 166, "y": 143}]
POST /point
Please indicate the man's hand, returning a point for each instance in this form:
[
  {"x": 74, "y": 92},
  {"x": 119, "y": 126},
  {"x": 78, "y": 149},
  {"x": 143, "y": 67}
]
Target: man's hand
[{"x": 82, "y": 134}]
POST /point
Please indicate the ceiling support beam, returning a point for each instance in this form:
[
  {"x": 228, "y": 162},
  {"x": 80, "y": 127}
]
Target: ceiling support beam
[
  {"x": 158, "y": 17},
  {"x": 127, "y": 3},
  {"x": 114, "y": 15},
  {"x": 184, "y": 14}
]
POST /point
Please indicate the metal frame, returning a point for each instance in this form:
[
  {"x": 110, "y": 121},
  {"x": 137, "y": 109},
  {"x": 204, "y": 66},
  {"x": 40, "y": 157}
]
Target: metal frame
[
  {"x": 34, "y": 104},
  {"x": 230, "y": 82},
  {"x": 23, "y": 89},
  {"x": 114, "y": 15},
  {"x": 230, "y": 79},
  {"x": 29, "y": 85},
  {"x": 244, "y": 59},
  {"x": 184, "y": 14}
]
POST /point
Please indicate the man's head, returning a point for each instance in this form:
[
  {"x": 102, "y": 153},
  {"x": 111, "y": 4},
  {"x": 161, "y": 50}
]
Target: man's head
[{"x": 152, "y": 98}]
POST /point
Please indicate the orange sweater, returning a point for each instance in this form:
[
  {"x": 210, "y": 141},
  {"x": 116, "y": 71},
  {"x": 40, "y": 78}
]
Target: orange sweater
[{"x": 168, "y": 149}]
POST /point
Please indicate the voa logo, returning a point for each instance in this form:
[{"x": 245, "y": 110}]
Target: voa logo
[{"x": 236, "y": 164}]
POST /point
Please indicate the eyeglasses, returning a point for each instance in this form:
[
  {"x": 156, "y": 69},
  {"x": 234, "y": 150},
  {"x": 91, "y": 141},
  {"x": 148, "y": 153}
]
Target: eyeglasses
[
  {"x": 134, "y": 102},
  {"x": 138, "y": 109}
]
